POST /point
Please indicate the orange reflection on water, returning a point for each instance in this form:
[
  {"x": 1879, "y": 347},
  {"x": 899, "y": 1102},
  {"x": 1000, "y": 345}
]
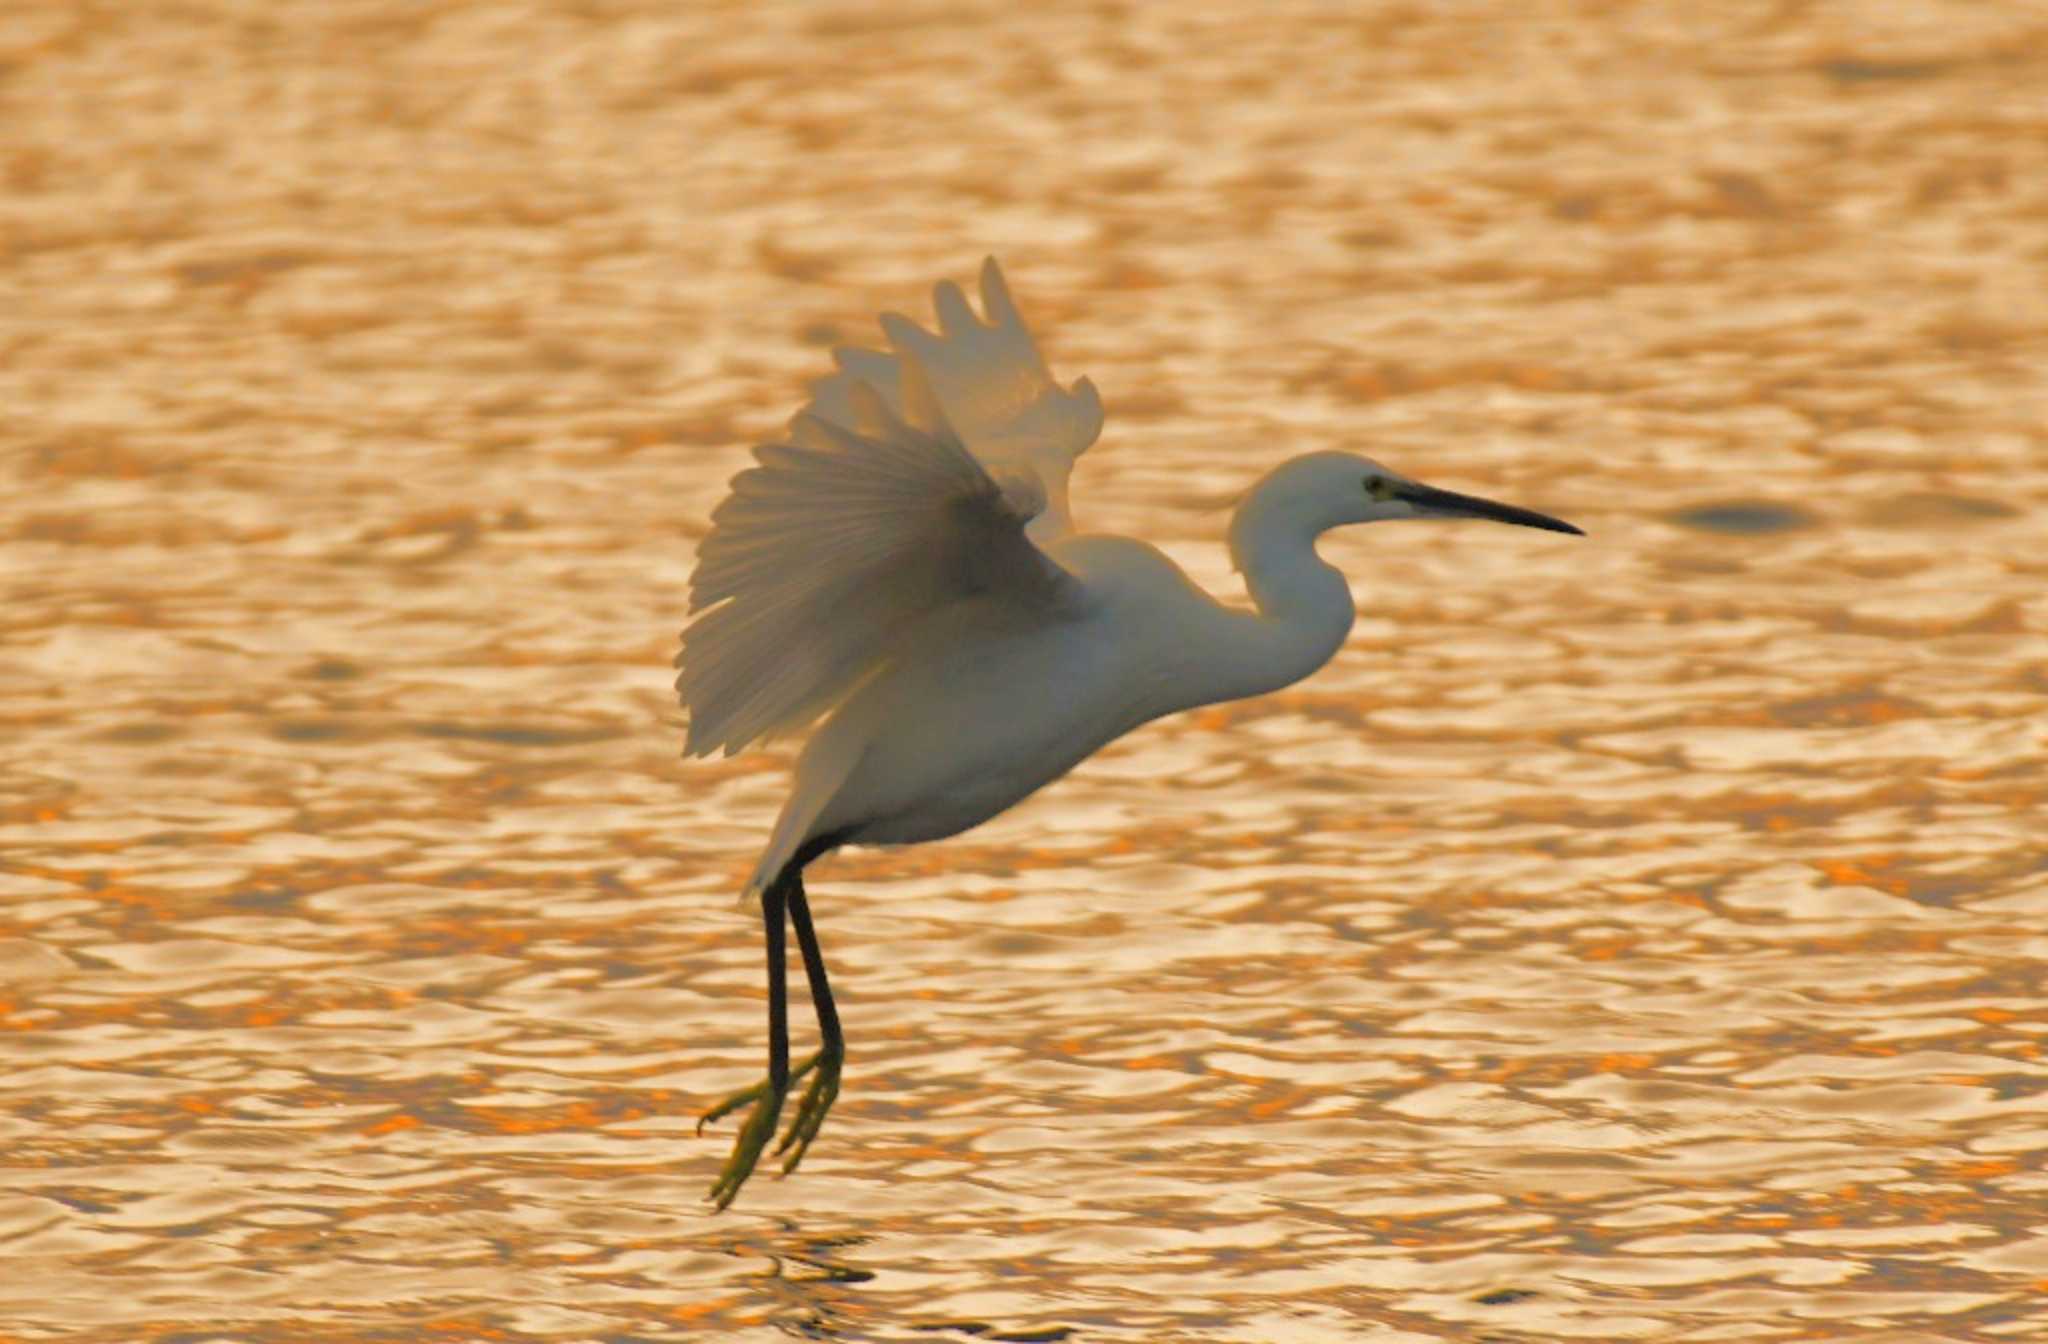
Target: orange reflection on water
[{"x": 1640, "y": 938}]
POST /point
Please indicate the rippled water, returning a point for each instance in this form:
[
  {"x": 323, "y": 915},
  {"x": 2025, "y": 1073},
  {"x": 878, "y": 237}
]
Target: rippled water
[{"x": 1634, "y": 938}]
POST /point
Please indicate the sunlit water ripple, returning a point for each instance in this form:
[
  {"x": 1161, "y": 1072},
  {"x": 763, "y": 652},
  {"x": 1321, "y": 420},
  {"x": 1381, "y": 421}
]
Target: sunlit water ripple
[{"x": 1631, "y": 938}]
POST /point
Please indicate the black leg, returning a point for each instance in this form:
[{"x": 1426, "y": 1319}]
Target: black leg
[
  {"x": 784, "y": 899},
  {"x": 824, "y": 1088},
  {"x": 814, "y": 967},
  {"x": 766, "y": 1096}
]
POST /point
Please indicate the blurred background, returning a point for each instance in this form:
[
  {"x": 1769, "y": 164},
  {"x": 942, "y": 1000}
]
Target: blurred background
[{"x": 1631, "y": 938}]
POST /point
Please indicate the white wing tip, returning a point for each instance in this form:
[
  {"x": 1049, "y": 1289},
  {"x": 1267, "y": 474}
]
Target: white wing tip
[
  {"x": 1084, "y": 388},
  {"x": 872, "y": 415},
  {"x": 996, "y": 301}
]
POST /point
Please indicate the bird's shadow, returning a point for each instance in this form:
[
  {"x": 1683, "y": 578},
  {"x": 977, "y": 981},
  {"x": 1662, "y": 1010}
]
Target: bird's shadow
[{"x": 812, "y": 1281}]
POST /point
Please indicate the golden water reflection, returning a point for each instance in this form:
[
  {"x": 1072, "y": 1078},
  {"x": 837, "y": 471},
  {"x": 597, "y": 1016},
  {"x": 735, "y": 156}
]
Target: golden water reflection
[{"x": 1636, "y": 938}]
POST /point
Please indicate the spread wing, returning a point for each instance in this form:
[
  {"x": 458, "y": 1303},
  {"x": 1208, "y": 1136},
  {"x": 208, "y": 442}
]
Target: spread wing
[
  {"x": 992, "y": 386},
  {"x": 862, "y": 524}
]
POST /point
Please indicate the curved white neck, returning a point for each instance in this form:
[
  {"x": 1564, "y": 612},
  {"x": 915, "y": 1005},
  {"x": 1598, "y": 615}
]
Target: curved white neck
[{"x": 1304, "y": 605}]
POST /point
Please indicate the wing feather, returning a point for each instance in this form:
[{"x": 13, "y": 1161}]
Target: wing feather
[
  {"x": 992, "y": 384},
  {"x": 838, "y": 541}
]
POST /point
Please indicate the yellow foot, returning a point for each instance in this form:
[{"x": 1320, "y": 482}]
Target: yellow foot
[
  {"x": 753, "y": 1137},
  {"x": 760, "y": 1126},
  {"x": 810, "y": 1112}
]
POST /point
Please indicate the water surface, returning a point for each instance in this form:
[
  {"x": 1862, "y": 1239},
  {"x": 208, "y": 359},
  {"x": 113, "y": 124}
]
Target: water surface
[{"x": 1631, "y": 938}]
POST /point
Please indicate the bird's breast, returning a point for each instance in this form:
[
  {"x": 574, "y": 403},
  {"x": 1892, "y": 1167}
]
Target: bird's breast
[{"x": 954, "y": 735}]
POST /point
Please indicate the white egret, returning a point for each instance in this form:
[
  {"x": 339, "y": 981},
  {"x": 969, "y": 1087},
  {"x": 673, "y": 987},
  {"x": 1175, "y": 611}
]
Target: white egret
[{"x": 905, "y": 567}]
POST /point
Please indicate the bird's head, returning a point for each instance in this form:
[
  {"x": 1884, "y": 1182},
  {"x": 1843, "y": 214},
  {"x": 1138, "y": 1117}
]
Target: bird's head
[
  {"x": 1332, "y": 489},
  {"x": 1392, "y": 495}
]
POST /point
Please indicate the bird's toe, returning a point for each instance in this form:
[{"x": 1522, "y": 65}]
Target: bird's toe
[{"x": 811, "y": 1111}]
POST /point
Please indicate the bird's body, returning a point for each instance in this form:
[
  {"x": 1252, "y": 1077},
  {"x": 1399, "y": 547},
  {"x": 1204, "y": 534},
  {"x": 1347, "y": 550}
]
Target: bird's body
[
  {"x": 905, "y": 568},
  {"x": 977, "y": 710},
  {"x": 978, "y": 713}
]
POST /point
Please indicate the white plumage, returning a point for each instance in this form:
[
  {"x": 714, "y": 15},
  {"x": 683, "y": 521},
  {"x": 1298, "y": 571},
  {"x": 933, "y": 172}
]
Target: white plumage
[
  {"x": 905, "y": 566},
  {"x": 990, "y": 382},
  {"x": 908, "y": 483}
]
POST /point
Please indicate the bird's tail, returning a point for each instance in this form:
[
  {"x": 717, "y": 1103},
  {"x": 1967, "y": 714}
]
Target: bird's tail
[{"x": 827, "y": 759}]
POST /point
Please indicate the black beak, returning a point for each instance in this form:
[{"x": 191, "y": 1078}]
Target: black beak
[{"x": 1454, "y": 505}]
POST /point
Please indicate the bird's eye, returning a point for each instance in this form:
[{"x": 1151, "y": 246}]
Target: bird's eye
[{"x": 1379, "y": 487}]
